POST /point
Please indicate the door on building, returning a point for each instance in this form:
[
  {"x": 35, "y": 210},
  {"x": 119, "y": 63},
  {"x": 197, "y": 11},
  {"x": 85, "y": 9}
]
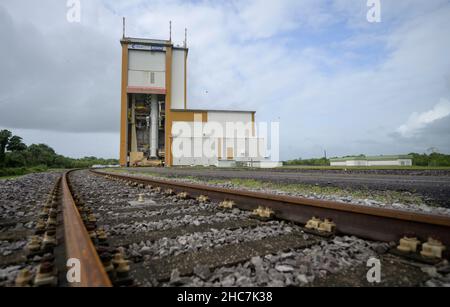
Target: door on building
[{"x": 230, "y": 153}]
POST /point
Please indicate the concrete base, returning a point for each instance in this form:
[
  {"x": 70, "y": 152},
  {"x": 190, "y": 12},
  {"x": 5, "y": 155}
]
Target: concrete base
[
  {"x": 256, "y": 164},
  {"x": 267, "y": 164},
  {"x": 226, "y": 163}
]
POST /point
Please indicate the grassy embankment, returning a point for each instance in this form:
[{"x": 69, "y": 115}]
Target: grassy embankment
[
  {"x": 10, "y": 173},
  {"x": 421, "y": 168},
  {"x": 388, "y": 197}
]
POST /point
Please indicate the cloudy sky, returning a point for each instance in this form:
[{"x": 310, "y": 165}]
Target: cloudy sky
[{"x": 332, "y": 79}]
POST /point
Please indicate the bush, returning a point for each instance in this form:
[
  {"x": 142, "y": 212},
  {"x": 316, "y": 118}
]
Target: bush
[
  {"x": 433, "y": 159},
  {"x": 19, "y": 171},
  {"x": 309, "y": 162},
  {"x": 12, "y": 171}
]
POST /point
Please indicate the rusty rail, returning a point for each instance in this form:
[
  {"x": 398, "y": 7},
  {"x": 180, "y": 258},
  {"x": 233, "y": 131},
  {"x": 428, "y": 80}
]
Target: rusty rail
[
  {"x": 366, "y": 222},
  {"x": 79, "y": 244}
]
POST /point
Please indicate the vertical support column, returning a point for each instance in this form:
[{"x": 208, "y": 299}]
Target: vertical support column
[
  {"x": 134, "y": 147},
  {"x": 124, "y": 108},
  {"x": 168, "y": 125},
  {"x": 253, "y": 125},
  {"x": 185, "y": 78},
  {"x": 154, "y": 127},
  {"x": 253, "y": 138}
]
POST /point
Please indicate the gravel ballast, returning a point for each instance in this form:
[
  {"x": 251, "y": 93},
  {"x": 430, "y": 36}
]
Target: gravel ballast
[
  {"x": 416, "y": 207},
  {"x": 304, "y": 266},
  {"x": 21, "y": 200}
]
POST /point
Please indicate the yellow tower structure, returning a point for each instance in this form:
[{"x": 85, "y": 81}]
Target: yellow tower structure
[
  {"x": 153, "y": 83},
  {"x": 154, "y": 100}
]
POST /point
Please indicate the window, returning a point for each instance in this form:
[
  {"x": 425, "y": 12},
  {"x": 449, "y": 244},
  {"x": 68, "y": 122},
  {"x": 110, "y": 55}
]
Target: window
[{"x": 152, "y": 78}]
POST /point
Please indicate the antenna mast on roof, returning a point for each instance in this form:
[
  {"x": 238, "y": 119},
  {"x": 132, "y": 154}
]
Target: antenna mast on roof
[
  {"x": 123, "y": 33},
  {"x": 170, "y": 30},
  {"x": 185, "y": 37}
]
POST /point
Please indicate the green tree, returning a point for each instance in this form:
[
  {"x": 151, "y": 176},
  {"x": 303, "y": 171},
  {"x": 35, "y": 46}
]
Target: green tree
[
  {"x": 16, "y": 159},
  {"x": 5, "y": 135},
  {"x": 15, "y": 144},
  {"x": 41, "y": 154},
  {"x": 309, "y": 162}
]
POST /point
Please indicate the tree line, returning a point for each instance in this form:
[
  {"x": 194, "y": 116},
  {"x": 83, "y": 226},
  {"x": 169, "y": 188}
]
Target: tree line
[
  {"x": 309, "y": 162},
  {"x": 433, "y": 159},
  {"x": 16, "y": 157}
]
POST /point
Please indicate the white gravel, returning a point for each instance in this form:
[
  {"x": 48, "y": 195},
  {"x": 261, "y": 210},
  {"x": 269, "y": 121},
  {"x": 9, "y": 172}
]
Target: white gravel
[{"x": 420, "y": 207}]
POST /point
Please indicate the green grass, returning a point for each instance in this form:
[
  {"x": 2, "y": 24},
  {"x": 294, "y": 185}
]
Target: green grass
[
  {"x": 319, "y": 167},
  {"x": 308, "y": 189},
  {"x": 365, "y": 167},
  {"x": 388, "y": 197},
  {"x": 10, "y": 177},
  {"x": 12, "y": 173}
]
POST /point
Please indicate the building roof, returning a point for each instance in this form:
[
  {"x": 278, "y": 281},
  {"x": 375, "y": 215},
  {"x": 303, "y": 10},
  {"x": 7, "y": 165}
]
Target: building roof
[
  {"x": 145, "y": 41},
  {"x": 153, "y": 42},
  {"x": 206, "y": 110},
  {"x": 372, "y": 158}
]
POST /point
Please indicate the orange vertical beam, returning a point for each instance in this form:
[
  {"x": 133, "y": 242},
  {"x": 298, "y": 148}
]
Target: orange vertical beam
[
  {"x": 219, "y": 154},
  {"x": 124, "y": 108},
  {"x": 253, "y": 124},
  {"x": 168, "y": 136}
]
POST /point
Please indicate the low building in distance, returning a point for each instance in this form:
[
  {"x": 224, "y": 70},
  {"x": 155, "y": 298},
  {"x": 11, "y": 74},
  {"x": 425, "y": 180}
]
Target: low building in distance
[{"x": 393, "y": 160}]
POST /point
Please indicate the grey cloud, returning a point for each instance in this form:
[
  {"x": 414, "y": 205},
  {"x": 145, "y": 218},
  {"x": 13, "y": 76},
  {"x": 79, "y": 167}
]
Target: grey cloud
[
  {"x": 66, "y": 77},
  {"x": 67, "y": 81},
  {"x": 436, "y": 134}
]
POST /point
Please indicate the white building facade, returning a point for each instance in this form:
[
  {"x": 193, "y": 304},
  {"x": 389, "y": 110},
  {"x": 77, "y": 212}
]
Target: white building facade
[
  {"x": 158, "y": 128},
  {"x": 399, "y": 160}
]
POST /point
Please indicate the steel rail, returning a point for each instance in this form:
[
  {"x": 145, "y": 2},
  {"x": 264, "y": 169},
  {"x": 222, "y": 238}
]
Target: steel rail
[
  {"x": 372, "y": 223},
  {"x": 79, "y": 245}
]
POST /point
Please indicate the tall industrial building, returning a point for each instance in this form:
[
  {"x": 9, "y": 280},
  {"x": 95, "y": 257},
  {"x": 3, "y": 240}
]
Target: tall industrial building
[{"x": 156, "y": 124}]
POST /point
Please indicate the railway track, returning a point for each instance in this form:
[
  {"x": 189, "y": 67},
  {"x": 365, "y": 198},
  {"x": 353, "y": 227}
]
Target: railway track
[
  {"x": 370, "y": 223},
  {"x": 128, "y": 231},
  {"x": 432, "y": 186},
  {"x": 59, "y": 236}
]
